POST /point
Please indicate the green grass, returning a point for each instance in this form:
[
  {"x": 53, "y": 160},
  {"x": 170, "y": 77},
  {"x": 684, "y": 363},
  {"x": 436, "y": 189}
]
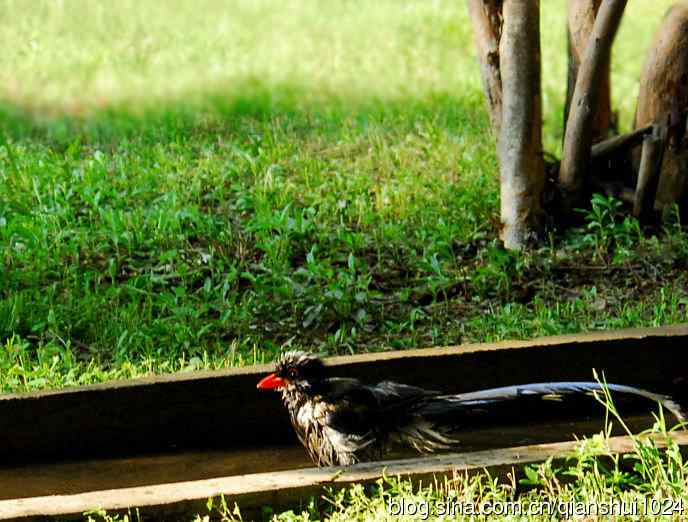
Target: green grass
[
  {"x": 188, "y": 185},
  {"x": 195, "y": 185}
]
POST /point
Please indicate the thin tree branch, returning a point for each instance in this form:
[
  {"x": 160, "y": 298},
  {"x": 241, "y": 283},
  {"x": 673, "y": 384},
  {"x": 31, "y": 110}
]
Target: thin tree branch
[
  {"x": 581, "y": 18},
  {"x": 578, "y": 136}
]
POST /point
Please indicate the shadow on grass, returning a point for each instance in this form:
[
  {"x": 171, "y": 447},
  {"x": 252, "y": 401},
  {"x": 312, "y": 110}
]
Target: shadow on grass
[{"x": 220, "y": 112}]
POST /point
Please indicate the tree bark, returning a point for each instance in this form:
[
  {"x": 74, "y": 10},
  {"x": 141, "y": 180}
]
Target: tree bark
[
  {"x": 522, "y": 169},
  {"x": 663, "y": 97},
  {"x": 581, "y": 18},
  {"x": 579, "y": 126},
  {"x": 486, "y": 16}
]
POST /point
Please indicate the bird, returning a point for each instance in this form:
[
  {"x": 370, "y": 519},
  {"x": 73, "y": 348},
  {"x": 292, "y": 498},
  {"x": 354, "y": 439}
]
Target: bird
[{"x": 343, "y": 421}]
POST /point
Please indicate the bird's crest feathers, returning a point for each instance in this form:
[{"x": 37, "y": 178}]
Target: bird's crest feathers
[{"x": 306, "y": 365}]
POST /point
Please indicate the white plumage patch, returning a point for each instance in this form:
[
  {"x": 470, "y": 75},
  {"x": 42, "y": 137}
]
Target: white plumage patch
[
  {"x": 305, "y": 413},
  {"x": 348, "y": 442}
]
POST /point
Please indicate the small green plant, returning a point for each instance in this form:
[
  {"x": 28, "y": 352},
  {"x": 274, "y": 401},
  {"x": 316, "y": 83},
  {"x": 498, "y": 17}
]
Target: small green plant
[{"x": 609, "y": 231}]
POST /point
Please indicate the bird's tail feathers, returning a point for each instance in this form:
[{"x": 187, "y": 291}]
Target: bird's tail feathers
[{"x": 556, "y": 391}]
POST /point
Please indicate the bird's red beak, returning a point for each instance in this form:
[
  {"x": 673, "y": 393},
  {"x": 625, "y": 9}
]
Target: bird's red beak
[{"x": 271, "y": 382}]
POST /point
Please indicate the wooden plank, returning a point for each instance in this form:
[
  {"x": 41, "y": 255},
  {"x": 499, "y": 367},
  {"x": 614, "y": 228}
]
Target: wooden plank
[
  {"x": 40, "y": 479},
  {"x": 71, "y": 477},
  {"x": 289, "y": 488},
  {"x": 223, "y": 409}
]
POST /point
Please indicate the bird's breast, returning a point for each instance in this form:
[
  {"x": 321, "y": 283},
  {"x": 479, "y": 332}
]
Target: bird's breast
[
  {"x": 304, "y": 416},
  {"x": 310, "y": 414}
]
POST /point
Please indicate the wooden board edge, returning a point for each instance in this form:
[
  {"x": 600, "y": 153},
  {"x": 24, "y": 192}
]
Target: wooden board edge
[
  {"x": 284, "y": 488},
  {"x": 678, "y": 330}
]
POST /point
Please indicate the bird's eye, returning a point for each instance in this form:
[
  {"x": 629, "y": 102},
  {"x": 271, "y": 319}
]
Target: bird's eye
[{"x": 293, "y": 374}]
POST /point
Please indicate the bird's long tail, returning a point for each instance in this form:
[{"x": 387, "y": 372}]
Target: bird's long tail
[
  {"x": 434, "y": 422},
  {"x": 555, "y": 391}
]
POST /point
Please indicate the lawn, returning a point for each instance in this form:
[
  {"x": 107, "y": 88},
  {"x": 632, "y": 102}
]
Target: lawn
[{"x": 189, "y": 185}]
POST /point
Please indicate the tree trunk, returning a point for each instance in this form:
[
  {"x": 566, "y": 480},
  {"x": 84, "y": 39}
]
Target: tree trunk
[
  {"x": 663, "y": 97},
  {"x": 486, "y": 16},
  {"x": 581, "y": 18},
  {"x": 522, "y": 169},
  {"x": 575, "y": 162}
]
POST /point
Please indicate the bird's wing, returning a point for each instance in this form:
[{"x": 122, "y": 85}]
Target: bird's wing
[
  {"x": 400, "y": 421},
  {"x": 351, "y": 418},
  {"x": 390, "y": 393},
  {"x": 398, "y": 403},
  {"x": 368, "y": 417},
  {"x": 516, "y": 399}
]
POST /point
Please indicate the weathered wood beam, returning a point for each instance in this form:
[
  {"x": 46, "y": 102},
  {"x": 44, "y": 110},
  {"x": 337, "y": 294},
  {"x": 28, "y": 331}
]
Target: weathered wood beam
[
  {"x": 578, "y": 138},
  {"x": 618, "y": 143},
  {"x": 649, "y": 171},
  {"x": 522, "y": 168}
]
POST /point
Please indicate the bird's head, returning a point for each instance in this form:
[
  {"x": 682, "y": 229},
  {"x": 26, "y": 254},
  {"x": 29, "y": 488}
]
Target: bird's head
[{"x": 294, "y": 370}]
